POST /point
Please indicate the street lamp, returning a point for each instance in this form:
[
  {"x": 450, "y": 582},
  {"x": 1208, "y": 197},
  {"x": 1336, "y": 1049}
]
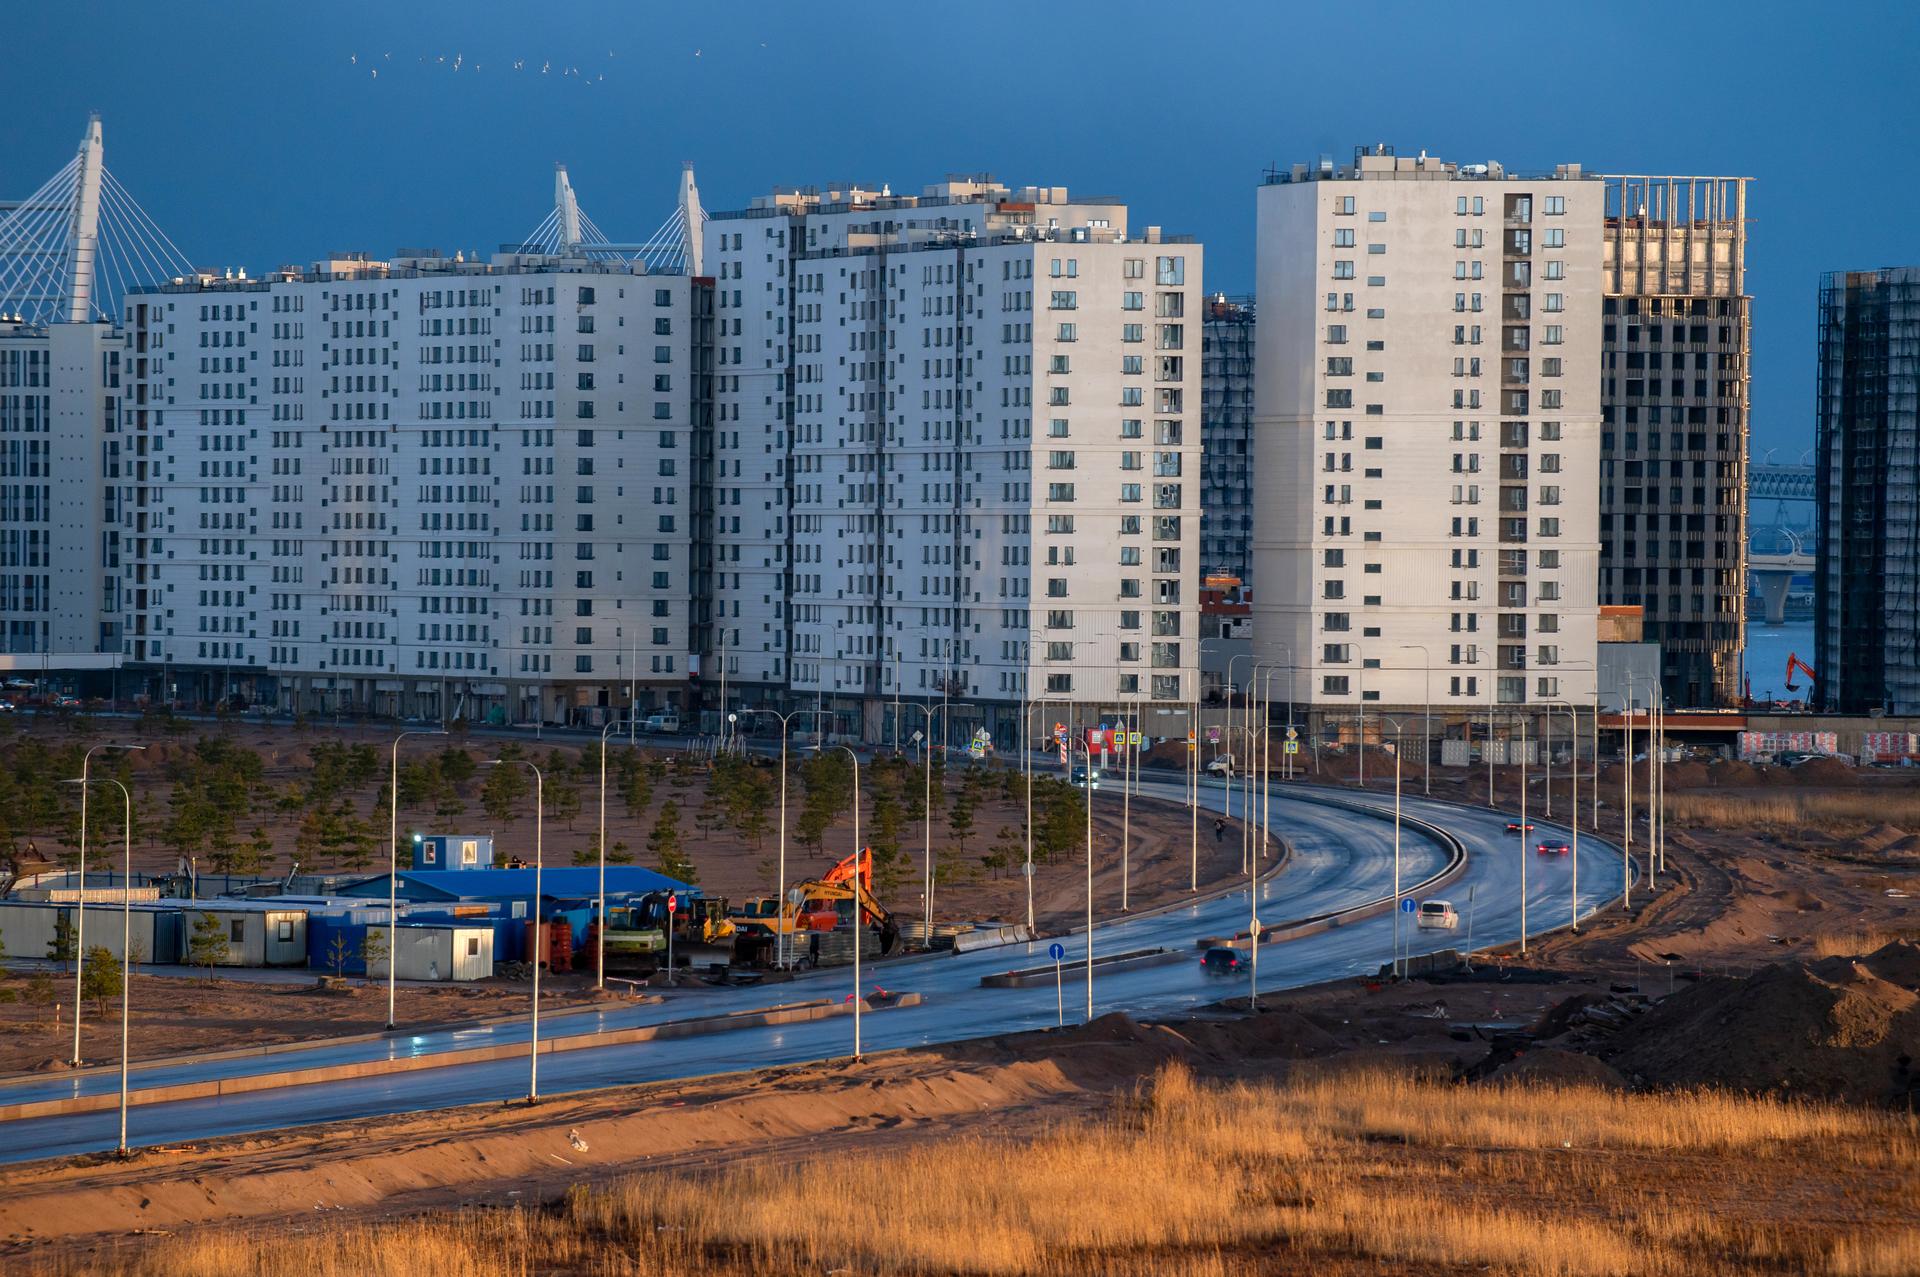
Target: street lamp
[
  {"x": 926, "y": 808},
  {"x": 781, "y": 939},
  {"x": 859, "y": 905},
  {"x": 539, "y": 924},
  {"x": 1087, "y": 751},
  {"x": 1399, "y": 749},
  {"x": 80, "y": 897},
  {"x": 600, "y": 932},
  {"x": 126, "y": 940},
  {"x": 393, "y": 856},
  {"x": 1573, "y": 734},
  {"x": 1426, "y": 720}
]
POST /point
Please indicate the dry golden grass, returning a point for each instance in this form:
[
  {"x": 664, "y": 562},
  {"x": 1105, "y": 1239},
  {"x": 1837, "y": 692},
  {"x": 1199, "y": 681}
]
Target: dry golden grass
[
  {"x": 1335, "y": 1175},
  {"x": 1853, "y": 944},
  {"x": 1843, "y": 814}
]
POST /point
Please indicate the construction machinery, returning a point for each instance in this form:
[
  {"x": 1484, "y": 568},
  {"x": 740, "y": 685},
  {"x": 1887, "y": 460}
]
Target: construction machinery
[
  {"x": 1795, "y": 663},
  {"x": 813, "y": 909}
]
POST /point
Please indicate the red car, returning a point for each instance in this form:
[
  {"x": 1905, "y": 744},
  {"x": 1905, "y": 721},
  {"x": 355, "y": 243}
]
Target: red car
[
  {"x": 1554, "y": 847},
  {"x": 1515, "y": 827}
]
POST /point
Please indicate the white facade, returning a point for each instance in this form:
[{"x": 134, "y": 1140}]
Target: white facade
[
  {"x": 958, "y": 451},
  {"x": 59, "y": 458},
  {"x": 1427, "y": 400},
  {"x": 428, "y": 487}
]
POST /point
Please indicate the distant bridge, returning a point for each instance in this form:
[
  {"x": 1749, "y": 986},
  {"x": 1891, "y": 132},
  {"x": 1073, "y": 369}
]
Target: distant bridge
[{"x": 1780, "y": 483}]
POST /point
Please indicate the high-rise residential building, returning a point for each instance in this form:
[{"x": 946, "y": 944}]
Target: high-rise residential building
[
  {"x": 957, "y": 455},
  {"x": 1226, "y": 430},
  {"x": 1427, "y": 400},
  {"x": 425, "y": 486},
  {"x": 1867, "y": 486},
  {"x": 1673, "y": 439},
  {"x": 60, "y": 461},
  {"x": 66, "y": 251}
]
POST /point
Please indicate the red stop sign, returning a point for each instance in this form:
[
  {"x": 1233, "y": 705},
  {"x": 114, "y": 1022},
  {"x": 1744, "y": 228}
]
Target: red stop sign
[{"x": 673, "y": 904}]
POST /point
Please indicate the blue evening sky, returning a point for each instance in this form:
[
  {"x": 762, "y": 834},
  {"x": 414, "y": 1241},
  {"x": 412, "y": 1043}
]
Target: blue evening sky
[{"x": 257, "y": 133}]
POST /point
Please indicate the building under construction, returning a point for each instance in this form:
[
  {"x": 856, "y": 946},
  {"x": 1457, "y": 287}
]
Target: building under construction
[
  {"x": 1673, "y": 441},
  {"x": 1867, "y": 486}
]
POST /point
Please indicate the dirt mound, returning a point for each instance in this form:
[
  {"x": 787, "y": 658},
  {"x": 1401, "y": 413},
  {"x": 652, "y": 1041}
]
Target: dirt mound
[
  {"x": 1824, "y": 771},
  {"x": 1731, "y": 773},
  {"x": 1837, "y": 1028},
  {"x": 1550, "y": 1064},
  {"x": 1688, "y": 775},
  {"x": 1908, "y": 846},
  {"x": 1879, "y": 838}
]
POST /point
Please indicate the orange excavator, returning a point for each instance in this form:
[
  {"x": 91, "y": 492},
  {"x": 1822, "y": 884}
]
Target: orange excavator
[
  {"x": 1795, "y": 663},
  {"x": 817, "y": 904}
]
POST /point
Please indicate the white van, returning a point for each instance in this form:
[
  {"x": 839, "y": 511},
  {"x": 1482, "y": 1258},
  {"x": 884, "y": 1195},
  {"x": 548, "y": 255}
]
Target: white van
[
  {"x": 664, "y": 724},
  {"x": 1437, "y": 914}
]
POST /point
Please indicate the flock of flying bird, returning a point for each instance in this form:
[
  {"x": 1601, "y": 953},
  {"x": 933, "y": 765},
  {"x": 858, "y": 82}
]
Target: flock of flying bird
[{"x": 519, "y": 64}]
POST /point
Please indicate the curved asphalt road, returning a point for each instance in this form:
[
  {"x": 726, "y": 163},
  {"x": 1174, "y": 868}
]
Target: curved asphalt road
[{"x": 1342, "y": 857}]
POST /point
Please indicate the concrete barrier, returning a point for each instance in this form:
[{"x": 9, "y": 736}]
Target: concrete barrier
[
  {"x": 795, "y": 1013},
  {"x": 1024, "y": 976}
]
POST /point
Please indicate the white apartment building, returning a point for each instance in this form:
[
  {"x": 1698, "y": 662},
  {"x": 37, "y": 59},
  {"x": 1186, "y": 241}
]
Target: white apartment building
[
  {"x": 429, "y": 486},
  {"x": 59, "y": 465},
  {"x": 1427, "y": 397},
  {"x": 957, "y": 456}
]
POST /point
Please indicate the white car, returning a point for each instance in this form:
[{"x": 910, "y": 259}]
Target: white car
[
  {"x": 1221, "y": 766},
  {"x": 1438, "y": 914}
]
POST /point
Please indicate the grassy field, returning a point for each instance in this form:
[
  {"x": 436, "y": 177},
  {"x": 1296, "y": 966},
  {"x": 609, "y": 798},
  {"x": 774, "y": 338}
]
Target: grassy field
[
  {"x": 1333, "y": 1175},
  {"x": 1838, "y": 814}
]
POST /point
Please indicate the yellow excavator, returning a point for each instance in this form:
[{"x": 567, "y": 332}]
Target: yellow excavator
[{"x": 824, "y": 904}]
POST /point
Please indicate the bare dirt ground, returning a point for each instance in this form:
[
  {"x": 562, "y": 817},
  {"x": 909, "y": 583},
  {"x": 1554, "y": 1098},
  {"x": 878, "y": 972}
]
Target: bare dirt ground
[{"x": 176, "y": 1015}]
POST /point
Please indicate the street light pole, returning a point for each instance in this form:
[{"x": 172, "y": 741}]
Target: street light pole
[
  {"x": 393, "y": 856},
  {"x": 1426, "y": 715},
  {"x": 80, "y": 897},
  {"x": 539, "y": 924},
  {"x": 859, "y": 905},
  {"x": 126, "y": 941},
  {"x": 1523, "y": 831},
  {"x": 126, "y": 949},
  {"x": 1089, "y": 775},
  {"x": 782, "y": 940},
  {"x": 600, "y": 933},
  {"x": 1573, "y": 735}
]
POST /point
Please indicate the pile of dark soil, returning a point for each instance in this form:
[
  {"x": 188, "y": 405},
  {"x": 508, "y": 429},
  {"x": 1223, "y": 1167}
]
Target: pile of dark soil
[{"x": 1832, "y": 1028}]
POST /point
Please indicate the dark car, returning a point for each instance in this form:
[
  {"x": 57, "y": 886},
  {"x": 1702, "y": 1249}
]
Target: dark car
[
  {"x": 1515, "y": 827},
  {"x": 1223, "y": 961},
  {"x": 1554, "y": 847}
]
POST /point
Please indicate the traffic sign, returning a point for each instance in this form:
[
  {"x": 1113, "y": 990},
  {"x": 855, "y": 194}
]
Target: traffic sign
[
  {"x": 1293, "y": 733},
  {"x": 796, "y": 896},
  {"x": 1253, "y": 928},
  {"x": 1133, "y": 738},
  {"x": 1408, "y": 906},
  {"x": 1056, "y": 951},
  {"x": 1213, "y": 735},
  {"x": 1293, "y": 747},
  {"x": 673, "y": 903}
]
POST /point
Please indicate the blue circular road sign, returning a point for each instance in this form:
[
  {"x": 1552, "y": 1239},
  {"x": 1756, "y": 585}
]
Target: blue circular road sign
[
  {"x": 1056, "y": 951},
  {"x": 1408, "y": 906}
]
